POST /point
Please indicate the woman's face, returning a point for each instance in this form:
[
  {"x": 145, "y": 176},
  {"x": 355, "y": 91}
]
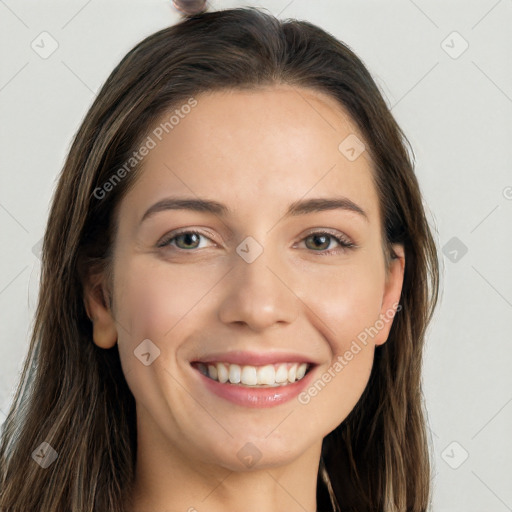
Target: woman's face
[{"x": 259, "y": 292}]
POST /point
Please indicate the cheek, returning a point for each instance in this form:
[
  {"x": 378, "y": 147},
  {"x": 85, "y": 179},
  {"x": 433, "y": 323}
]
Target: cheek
[
  {"x": 153, "y": 298},
  {"x": 154, "y": 302},
  {"x": 348, "y": 304},
  {"x": 346, "y": 310}
]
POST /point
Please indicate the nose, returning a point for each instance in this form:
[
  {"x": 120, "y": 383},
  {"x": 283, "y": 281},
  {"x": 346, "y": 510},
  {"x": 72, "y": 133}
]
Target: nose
[{"x": 258, "y": 295}]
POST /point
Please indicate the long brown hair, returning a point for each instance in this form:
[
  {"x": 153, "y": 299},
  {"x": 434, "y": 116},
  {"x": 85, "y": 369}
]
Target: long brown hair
[{"x": 72, "y": 394}]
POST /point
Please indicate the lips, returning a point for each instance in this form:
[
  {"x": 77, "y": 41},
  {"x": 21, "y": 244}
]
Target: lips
[
  {"x": 254, "y": 358},
  {"x": 253, "y": 379}
]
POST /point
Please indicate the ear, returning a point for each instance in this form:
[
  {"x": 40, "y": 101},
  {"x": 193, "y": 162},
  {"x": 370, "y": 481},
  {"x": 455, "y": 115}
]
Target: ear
[
  {"x": 97, "y": 305},
  {"x": 391, "y": 296}
]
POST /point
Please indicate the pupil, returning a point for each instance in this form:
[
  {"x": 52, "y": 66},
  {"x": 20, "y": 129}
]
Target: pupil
[
  {"x": 321, "y": 237},
  {"x": 187, "y": 236}
]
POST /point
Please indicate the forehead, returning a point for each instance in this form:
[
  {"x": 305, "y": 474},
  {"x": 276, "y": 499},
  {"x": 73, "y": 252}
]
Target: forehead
[{"x": 266, "y": 147}]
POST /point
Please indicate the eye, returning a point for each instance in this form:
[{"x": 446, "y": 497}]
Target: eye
[
  {"x": 185, "y": 240},
  {"x": 321, "y": 240}
]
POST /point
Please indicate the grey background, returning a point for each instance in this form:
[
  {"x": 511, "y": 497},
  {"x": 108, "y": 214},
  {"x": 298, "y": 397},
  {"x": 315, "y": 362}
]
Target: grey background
[{"x": 455, "y": 107}]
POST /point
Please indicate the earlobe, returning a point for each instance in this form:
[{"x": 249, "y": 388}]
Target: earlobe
[
  {"x": 100, "y": 314},
  {"x": 392, "y": 292}
]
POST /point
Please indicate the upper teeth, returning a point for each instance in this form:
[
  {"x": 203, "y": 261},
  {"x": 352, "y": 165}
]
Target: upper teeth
[{"x": 270, "y": 374}]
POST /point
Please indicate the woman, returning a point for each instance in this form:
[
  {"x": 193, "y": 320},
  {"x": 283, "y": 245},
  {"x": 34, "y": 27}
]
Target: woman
[{"x": 237, "y": 279}]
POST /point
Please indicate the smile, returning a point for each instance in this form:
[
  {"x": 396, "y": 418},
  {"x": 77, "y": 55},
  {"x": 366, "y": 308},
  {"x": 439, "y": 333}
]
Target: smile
[
  {"x": 269, "y": 375},
  {"x": 253, "y": 379}
]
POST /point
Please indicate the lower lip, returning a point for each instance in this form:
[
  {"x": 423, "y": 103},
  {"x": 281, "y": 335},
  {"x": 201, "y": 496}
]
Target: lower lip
[{"x": 254, "y": 396}]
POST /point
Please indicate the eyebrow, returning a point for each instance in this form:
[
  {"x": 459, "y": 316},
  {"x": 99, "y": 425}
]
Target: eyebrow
[{"x": 300, "y": 207}]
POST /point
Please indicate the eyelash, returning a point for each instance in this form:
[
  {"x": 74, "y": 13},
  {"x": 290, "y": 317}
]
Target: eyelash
[{"x": 344, "y": 243}]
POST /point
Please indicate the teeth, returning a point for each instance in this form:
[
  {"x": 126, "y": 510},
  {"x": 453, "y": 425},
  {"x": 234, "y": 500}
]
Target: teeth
[
  {"x": 268, "y": 375},
  {"x": 282, "y": 373},
  {"x": 222, "y": 372},
  {"x": 249, "y": 376},
  {"x": 234, "y": 373},
  {"x": 301, "y": 371},
  {"x": 212, "y": 371}
]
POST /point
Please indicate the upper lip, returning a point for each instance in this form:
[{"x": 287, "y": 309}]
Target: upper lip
[{"x": 254, "y": 358}]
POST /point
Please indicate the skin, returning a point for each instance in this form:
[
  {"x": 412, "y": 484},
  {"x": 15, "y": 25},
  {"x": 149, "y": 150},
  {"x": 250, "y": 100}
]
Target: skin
[{"x": 256, "y": 152}]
